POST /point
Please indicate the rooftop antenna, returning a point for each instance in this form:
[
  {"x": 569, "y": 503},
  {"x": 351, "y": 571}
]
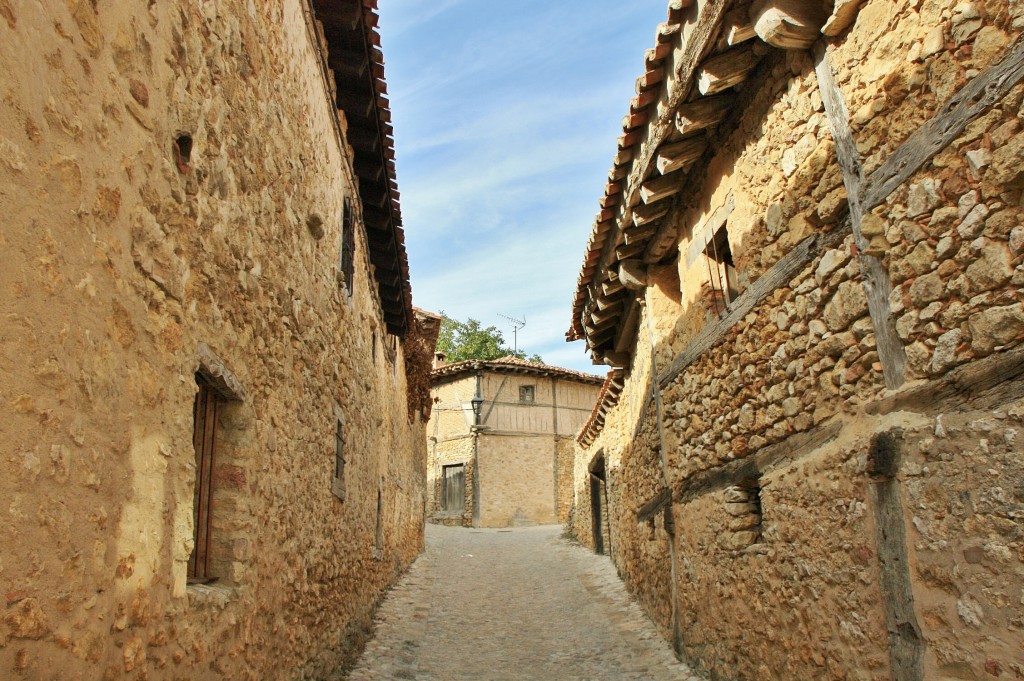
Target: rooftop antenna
[{"x": 516, "y": 325}]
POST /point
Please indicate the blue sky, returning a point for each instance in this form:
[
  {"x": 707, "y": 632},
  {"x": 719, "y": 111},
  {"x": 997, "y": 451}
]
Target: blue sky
[{"x": 506, "y": 116}]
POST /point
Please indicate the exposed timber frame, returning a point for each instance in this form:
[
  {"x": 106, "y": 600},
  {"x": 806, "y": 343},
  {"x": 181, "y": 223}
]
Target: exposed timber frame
[{"x": 874, "y": 275}]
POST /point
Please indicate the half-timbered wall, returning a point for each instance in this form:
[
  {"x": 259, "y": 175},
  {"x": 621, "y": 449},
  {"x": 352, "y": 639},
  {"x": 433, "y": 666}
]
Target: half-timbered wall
[{"x": 810, "y": 482}]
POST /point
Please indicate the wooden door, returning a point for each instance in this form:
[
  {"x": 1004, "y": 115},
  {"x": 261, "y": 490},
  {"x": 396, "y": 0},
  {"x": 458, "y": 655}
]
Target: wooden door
[{"x": 453, "y": 488}]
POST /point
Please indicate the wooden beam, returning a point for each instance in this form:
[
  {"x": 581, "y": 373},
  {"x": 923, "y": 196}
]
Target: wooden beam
[
  {"x": 977, "y": 97},
  {"x": 661, "y": 187},
  {"x": 788, "y": 24},
  {"x": 348, "y": 65},
  {"x": 702, "y": 113},
  {"x": 779, "y": 274},
  {"x": 610, "y": 288},
  {"x": 627, "y": 329},
  {"x": 678, "y": 155},
  {"x": 726, "y": 70},
  {"x": 633, "y": 274},
  {"x": 638, "y": 233},
  {"x": 654, "y": 506},
  {"x": 738, "y": 27},
  {"x": 624, "y": 251},
  {"x": 643, "y": 215},
  {"x": 875, "y": 275}
]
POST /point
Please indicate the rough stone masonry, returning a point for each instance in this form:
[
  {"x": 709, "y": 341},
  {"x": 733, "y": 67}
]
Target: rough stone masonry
[
  {"x": 807, "y": 276},
  {"x": 192, "y": 206}
]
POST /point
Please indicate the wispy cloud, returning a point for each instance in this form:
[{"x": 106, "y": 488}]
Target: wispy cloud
[{"x": 506, "y": 116}]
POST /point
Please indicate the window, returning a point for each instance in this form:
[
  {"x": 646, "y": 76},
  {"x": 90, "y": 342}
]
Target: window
[
  {"x": 346, "y": 257},
  {"x": 743, "y": 504},
  {"x": 204, "y": 438},
  {"x": 338, "y": 475},
  {"x": 721, "y": 271},
  {"x": 453, "y": 488},
  {"x": 526, "y": 393}
]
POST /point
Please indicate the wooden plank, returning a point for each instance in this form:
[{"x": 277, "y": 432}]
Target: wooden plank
[
  {"x": 779, "y": 274},
  {"x": 875, "y": 275},
  {"x": 973, "y": 100}
]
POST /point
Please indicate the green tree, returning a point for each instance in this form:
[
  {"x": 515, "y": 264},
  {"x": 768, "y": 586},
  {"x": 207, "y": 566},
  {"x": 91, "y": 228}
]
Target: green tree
[{"x": 470, "y": 340}]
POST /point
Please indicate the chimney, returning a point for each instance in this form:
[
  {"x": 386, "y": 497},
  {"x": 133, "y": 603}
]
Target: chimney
[{"x": 439, "y": 360}]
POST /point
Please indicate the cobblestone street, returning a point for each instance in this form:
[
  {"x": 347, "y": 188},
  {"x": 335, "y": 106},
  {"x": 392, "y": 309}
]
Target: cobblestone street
[{"x": 513, "y": 604}]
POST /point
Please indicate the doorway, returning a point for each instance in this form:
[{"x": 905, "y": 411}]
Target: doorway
[
  {"x": 453, "y": 488},
  {"x": 599, "y": 505}
]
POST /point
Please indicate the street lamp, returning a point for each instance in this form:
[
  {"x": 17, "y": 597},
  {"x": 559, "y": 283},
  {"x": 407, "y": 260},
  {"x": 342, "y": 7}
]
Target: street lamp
[{"x": 478, "y": 403}]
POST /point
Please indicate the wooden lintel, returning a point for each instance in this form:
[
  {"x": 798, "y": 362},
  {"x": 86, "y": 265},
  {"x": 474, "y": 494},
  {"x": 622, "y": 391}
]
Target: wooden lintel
[
  {"x": 661, "y": 187},
  {"x": 679, "y": 155},
  {"x": 726, "y": 70},
  {"x": 702, "y": 113}
]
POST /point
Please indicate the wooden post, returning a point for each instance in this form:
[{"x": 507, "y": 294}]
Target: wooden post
[{"x": 877, "y": 285}]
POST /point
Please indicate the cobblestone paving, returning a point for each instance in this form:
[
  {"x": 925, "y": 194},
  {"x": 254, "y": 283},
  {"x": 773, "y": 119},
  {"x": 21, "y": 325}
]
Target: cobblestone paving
[{"x": 496, "y": 605}]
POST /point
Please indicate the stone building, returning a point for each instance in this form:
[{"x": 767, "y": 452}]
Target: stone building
[
  {"x": 806, "y": 276},
  {"x": 212, "y": 467},
  {"x": 500, "y": 441}
]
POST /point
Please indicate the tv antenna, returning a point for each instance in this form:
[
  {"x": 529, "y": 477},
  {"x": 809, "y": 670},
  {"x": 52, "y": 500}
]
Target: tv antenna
[{"x": 516, "y": 325}]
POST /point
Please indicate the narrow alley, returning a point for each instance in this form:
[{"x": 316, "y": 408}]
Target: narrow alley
[{"x": 520, "y": 603}]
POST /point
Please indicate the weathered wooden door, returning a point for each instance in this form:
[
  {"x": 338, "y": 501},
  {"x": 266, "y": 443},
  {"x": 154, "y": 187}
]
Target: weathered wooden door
[{"x": 453, "y": 488}]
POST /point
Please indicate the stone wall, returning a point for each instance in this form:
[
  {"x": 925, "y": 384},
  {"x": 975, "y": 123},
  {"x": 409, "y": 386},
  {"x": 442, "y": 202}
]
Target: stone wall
[
  {"x": 794, "y": 552},
  {"x": 123, "y": 251}
]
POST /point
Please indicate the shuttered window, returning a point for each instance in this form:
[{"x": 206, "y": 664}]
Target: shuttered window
[
  {"x": 346, "y": 261},
  {"x": 204, "y": 440},
  {"x": 338, "y": 476}
]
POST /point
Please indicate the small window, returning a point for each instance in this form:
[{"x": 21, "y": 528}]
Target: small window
[
  {"x": 743, "y": 505},
  {"x": 378, "y": 534},
  {"x": 338, "y": 477},
  {"x": 205, "y": 412},
  {"x": 721, "y": 271},
  {"x": 346, "y": 256},
  {"x": 527, "y": 394}
]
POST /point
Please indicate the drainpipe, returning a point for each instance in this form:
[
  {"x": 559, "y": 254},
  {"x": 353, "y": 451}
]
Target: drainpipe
[{"x": 478, "y": 398}]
